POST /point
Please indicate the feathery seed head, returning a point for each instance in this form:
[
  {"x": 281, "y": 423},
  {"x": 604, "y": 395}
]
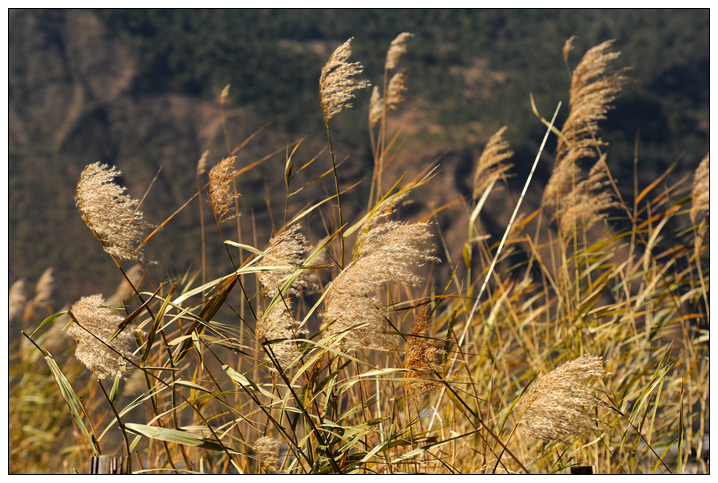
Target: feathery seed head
[
  {"x": 16, "y": 299},
  {"x": 490, "y": 167},
  {"x": 552, "y": 408},
  {"x": 701, "y": 190},
  {"x": 397, "y": 86},
  {"x": 587, "y": 202},
  {"x": 43, "y": 289},
  {"x": 225, "y": 94},
  {"x": 221, "y": 190},
  {"x": 384, "y": 253},
  {"x": 267, "y": 451},
  {"x": 397, "y": 47},
  {"x": 100, "y": 321},
  {"x": 421, "y": 354},
  {"x": 278, "y": 324},
  {"x": 376, "y": 107},
  {"x": 593, "y": 88},
  {"x": 335, "y": 83},
  {"x": 202, "y": 164},
  {"x": 287, "y": 248},
  {"x": 109, "y": 213},
  {"x": 568, "y": 47}
]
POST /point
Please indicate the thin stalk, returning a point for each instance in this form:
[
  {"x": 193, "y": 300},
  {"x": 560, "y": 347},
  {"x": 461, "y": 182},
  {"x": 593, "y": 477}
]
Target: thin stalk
[
  {"x": 204, "y": 252},
  {"x": 339, "y": 197},
  {"x": 382, "y": 140},
  {"x": 117, "y": 418}
]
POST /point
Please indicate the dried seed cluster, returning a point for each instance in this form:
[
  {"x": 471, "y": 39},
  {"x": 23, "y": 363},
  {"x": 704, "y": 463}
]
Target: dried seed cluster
[
  {"x": 99, "y": 322},
  {"x": 421, "y": 354},
  {"x": 553, "y": 408},
  {"x": 490, "y": 166},
  {"x": 336, "y": 84},
  {"x": 267, "y": 451},
  {"x": 111, "y": 215},
  {"x": 384, "y": 253},
  {"x": 701, "y": 190},
  {"x": 593, "y": 88},
  {"x": 287, "y": 248},
  {"x": 221, "y": 190}
]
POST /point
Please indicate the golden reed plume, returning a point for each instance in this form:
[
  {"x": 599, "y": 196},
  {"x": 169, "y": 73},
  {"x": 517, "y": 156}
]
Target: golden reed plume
[
  {"x": 553, "y": 407},
  {"x": 593, "y": 88},
  {"x": 490, "y": 166},
  {"x": 335, "y": 83},
  {"x": 384, "y": 253},
  {"x": 99, "y": 322},
  {"x": 221, "y": 190},
  {"x": 421, "y": 354},
  {"x": 109, "y": 213}
]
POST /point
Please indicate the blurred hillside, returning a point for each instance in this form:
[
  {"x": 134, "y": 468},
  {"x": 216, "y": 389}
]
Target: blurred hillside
[{"x": 140, "y": 90}]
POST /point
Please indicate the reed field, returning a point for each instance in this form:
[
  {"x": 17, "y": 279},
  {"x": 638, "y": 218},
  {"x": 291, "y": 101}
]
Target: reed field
[{"x": 355, "y": 354}]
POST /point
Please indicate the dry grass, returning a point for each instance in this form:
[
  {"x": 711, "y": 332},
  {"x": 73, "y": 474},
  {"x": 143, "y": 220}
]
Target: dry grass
[
  {"x": 339, "y": 377},
  {"x": 421, "y": 357}
]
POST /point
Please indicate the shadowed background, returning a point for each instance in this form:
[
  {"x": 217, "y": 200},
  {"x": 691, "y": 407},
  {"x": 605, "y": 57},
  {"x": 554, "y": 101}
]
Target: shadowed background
[{"x": 140, "y": 90}]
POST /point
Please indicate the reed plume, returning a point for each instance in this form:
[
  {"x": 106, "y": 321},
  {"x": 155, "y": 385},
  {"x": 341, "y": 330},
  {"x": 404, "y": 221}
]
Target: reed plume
[
  {"x": 99, "y": 322},
  {"x": 221, "y": 190},
  {"x": 490, "y": 166},
  {"x": 568, "y": 47},
  {"x": 202, "y": 164},
  {"x": 376, "y": 108},
  {"x": 266, "y": 450},
  {"x": 43, "y": 291},
  {"x": 384, "y": 253},
  {"x": 397, "y": 47},
  {"x": 397, "y": 86},
  {"x": 701, "y": 190},
  {"x": 593, "y": 88},
  {"x": 225, "y": 93},
  {"x": 287, "y": 248},
  {"x": 16, "y": 299},
  {"x": 109, "y": 213},
  {"x": 553, "y": 408},
  {"x": 335, "y": 83},
  {"x": 589, "y": 200},
  {"x": 278, "y": 324},
  {"x": 421, "y": 354}
]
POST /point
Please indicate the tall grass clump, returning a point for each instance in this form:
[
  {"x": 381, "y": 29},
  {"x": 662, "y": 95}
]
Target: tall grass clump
[{"x": 581, "y": 338}]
